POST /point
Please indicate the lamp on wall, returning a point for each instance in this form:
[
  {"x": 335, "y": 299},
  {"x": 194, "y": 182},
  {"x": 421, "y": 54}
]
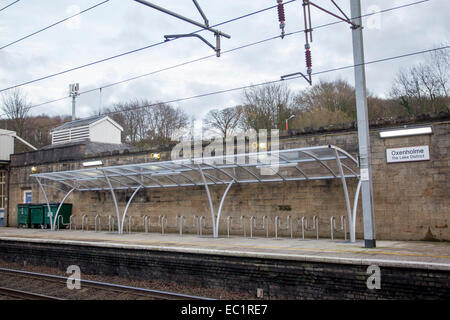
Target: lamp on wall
[
  {"x": 93, "y": 163},
  {"x": 406, "y": 132},
  {"x": 155, "y": 156},
  {"x": 34, "y": 169}
]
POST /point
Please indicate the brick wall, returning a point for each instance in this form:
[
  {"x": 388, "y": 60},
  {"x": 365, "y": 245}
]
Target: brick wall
[
  {"x": 280, "y": 279},
  {"x": 411, "y": 199}
]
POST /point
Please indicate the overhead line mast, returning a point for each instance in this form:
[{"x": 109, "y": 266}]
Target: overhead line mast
[{"x": 361, "y": 104}]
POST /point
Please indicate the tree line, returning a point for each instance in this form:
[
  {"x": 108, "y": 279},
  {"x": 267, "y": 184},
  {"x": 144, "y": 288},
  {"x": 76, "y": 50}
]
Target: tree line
[{"x": 420, "y": 89}]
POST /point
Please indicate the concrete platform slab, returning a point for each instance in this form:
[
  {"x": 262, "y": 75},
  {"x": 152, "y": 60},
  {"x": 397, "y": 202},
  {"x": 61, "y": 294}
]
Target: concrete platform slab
[{"x": 409, "y": 254}]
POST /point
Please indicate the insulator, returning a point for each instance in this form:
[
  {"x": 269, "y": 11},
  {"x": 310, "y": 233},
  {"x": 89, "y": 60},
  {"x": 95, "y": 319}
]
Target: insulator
[
  {"x": 308, "y": 59},
  {"x": 281, "y": 16}
]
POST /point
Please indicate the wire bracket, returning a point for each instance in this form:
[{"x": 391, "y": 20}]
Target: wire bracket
[
  {"x": 205, "y": 26},
  {"x": 307, "y": 78}
]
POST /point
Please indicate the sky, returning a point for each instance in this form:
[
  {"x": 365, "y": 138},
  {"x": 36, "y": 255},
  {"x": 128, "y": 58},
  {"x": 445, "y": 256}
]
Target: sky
[{"x": 119, "y": 26}]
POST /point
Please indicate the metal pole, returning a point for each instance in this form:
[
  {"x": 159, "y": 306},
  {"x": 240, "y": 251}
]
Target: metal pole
[
  {"x": 50, "y": 214},
  {"x": 60, "y": 205},
  {"x": 119, "y": 226},
  {"x": 347, "y": 199},
  {"x": 211, "y": 207},
  {"x": 73, "y": 107},
  {"x": 363, "y": 126},
  {"x": 221, "y": 204},
  {"x": 126, "y": 209}
]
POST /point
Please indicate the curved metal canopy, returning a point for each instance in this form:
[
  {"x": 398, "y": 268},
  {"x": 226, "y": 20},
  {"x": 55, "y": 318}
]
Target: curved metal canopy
[{"x": 312, "y": 163}]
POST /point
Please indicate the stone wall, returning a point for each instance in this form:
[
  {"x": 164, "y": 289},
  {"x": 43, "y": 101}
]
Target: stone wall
[{"x": 411, "y": 200}]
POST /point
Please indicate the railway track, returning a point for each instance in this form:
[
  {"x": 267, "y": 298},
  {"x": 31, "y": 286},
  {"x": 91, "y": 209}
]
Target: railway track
[{"x": 19, "y": 284}]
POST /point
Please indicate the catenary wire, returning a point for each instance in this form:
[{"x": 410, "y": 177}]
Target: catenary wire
[
  {"x": 276, "y": 81},
  {"x": 53, "y": 24},
  {"x": 130, "y": 52},
  {"x": 9, "y": 5},
  {"x": 223, "y": 52}
]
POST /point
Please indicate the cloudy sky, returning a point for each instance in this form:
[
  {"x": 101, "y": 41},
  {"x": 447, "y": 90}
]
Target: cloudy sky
[{"x": 119, "y": 26}]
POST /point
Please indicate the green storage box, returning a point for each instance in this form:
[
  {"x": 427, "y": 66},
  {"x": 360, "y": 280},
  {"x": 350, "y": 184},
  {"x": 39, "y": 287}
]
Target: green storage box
[
  {"x": 23, "y": 215},
  {"x": 37, "y": 214},
  {"x": 65, "y": 212}
]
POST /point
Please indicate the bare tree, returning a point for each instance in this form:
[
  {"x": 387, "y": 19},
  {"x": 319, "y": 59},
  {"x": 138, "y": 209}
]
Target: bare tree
[
  {"x": 131, "y": 117},
  {"x": 266, "y": 107},
  {"x": 16, "y": 107},
  {"x": 424, "y": 87},
  {"x": 164, "y": 121},
  {"x": 223, "y": 121},
  {"x": 330, "y": 95}
]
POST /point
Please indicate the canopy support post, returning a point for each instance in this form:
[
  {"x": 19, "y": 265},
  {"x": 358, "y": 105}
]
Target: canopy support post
[
  {"x": 347, "y": 199},
  {"x": 126, "y": 208},
  {"x": 119, "y": 225},
  {"x": 50, "y": 214},
  {"x": 211, "y": 207},
  {"x": 221, "y": 204},
  {"x": 59, "y": 208}
]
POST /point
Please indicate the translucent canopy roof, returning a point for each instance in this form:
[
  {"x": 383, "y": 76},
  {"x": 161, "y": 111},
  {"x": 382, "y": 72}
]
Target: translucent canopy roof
[{"x": 311, "y": 163}]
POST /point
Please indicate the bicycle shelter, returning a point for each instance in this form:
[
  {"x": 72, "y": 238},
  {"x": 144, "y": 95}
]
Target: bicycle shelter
[{"x": 300, "y": 164}]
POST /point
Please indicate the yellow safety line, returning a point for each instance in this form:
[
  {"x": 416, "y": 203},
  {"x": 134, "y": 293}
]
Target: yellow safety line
[
  {"x": 322, "y": 250},
  {"x": 270, "y": 247}
]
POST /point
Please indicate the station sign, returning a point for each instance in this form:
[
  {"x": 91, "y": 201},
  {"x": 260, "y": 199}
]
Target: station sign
[{"x": 419, "y": 153}]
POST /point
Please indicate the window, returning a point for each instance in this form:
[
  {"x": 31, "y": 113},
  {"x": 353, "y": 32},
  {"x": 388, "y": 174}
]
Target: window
[
  {"x": 27, "y": 196},
  {"x": 2, "y": 190}
]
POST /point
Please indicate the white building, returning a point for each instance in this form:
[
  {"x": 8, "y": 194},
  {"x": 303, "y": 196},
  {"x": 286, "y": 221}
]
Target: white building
[
  {"x": 100, "y": 129},
  {"x": 6, "y": 144}
]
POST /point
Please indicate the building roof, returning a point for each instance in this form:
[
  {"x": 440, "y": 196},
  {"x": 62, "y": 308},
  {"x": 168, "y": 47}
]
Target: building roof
[
  {"x": 85, "y": 122},
  {"x": 92, "y": 147}
]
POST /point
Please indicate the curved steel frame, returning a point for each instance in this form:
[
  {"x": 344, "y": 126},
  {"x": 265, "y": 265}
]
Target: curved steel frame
[{"x": 210, "y": 173}]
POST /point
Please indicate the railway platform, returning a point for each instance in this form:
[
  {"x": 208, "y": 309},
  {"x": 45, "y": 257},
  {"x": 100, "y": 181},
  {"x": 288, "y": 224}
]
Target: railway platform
[
  {"x": 421, "y": 254},
  {"x": 281, "y": 268}
]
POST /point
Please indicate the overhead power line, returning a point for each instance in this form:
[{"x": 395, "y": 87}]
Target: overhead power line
[
  {"x": 202, "y": 95},
  {"x": 225, "y": 51},
  {"x": 131, "y": 51},
  {"x": 53, "y": 24},
  {"x": 276, "y": 81},
  {"x": 9, "y": 5}
]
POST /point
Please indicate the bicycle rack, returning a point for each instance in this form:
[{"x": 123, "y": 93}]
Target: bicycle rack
[
  {"x": 241, "y": 225},
  {"x": 196, "y": 224},
  {"x": 148, "y": 223},
  {"x": 161, "y": 220},
  {"x": 111, "y": 223},
  {"x": 71, "y": 222},
  {"x": 182, "y": 224},
  {"x": 278, "y": 225},
  {"x": 58, "y": 220},
  {"x": 315, "y": 226},
  {"x": 342, "y": 228},
  {"x": 145, "y": 220},
  {"x": 99, "y": 220},
  {"x": 83, "y": 219},
  {"x": 204, "y": 225},
  {"x": 168, "y": 226},
  {"x": 131, "y": 222},
  {"x": 253, "y": 225}
]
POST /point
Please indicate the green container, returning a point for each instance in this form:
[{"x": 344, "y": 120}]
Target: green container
[
  {"x": 23, "y": 215},
  {"x": 65, "y": 212},
  {"x": 37, "y": 214}
]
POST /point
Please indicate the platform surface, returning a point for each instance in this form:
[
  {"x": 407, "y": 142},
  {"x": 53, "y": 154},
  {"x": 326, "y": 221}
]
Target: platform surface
[{"x": 409, "y": 254}]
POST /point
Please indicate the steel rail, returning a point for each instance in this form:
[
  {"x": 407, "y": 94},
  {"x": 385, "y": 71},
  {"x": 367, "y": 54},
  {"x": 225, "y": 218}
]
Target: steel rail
[
  {"x": 166, "y": 295},
  {"x": 25, "y": 294}
]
